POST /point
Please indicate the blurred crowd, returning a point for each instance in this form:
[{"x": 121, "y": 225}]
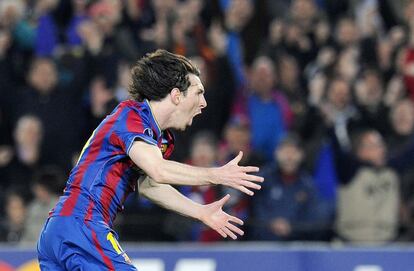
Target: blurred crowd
[{"x": 318, "y": 93}]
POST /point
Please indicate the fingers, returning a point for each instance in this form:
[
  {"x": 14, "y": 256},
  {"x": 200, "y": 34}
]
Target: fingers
[
  {"x": 244, "y": 190},
  {"x": 224, "y": 199},
  {"x": 240, "y": 177},
  {"x": 234, "y": 229},
  {"x": 221, "y": 232},
  {"x": 245, "y": 186},
  {"x": 250, "y": 169},
  {"x": 236, "y": 220},
  {"x": 250, "y": 185},
  {"x": 253, "y": 178},
  {"x": 229, "y": 233},
  {"x": 248, "y": 182},
  {"x": 237, "y": 159},
  {"x": 228, "y": 229}
]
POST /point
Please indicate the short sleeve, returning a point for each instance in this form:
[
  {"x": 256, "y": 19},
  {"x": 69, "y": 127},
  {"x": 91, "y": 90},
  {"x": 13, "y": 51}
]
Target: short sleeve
[{"x": 130, "y": 126}]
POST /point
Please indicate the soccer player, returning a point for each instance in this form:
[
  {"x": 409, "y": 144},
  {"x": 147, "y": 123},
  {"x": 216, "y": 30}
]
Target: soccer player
[{"x": 128, "y": 152}]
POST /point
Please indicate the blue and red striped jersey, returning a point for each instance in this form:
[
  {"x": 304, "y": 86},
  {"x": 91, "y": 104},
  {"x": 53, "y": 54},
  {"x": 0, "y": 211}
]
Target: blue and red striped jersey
[{"x": 104, "y": 174}]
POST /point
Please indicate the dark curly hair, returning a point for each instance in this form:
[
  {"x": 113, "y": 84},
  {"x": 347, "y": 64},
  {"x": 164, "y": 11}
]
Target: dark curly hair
[{"x": 157, "y": 73}]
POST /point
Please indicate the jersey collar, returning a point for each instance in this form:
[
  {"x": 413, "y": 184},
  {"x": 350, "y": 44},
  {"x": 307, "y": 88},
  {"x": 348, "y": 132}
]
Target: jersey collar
[{"x": 153, "y": 119}]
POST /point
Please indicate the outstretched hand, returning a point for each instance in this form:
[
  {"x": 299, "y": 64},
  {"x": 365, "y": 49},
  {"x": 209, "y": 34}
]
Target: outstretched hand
[
  {"x": 213, "y": 216},
  {"x": 239, "y": 177}
]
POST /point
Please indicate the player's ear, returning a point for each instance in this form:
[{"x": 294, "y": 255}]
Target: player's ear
[{"x": 175, "y": 95}]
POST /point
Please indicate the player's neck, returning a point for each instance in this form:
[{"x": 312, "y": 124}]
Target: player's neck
[{"x": 161, "y": 112}]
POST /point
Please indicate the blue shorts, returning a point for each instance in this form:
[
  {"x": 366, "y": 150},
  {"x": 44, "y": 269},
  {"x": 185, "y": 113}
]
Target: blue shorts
[{"x": 70, "y": 243}]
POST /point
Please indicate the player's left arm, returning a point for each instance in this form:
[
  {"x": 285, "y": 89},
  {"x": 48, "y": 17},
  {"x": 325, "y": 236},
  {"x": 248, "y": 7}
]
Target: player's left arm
[
  {"x": 149, "y": 158},
  {"x": 210, "y": 214}
]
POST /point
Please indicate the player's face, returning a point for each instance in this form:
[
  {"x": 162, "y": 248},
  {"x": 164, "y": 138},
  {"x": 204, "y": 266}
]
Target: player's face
[{"x": 192, "y": 102}]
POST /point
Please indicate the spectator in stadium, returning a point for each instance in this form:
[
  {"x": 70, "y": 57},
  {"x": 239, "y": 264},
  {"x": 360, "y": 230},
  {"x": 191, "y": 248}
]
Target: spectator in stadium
[
  {"x": 27, "y": 154},
  {"x": 328, "y": 109},
  {"x": 155, "y": 30},
  {"x": 12, "y": 226},
  {"x": 102, "y": 40},
  {"x": 346, "y": 34},
  {"x": 16, "y": 43},
  {"x": 47, "y": 184},
  {"x": 286, "y": 208},
  {"x": 296, "y": 34},
  {"x": 300, "y": 30},
  {"x": 273, "y": 45},
  {"x": 290, "y": 85},
  {"x": 53, "y": 104},
  {"x": 388, "y": 51},
  {"x": 304, "y": 13},
  {"x": 108, "y": 36},
  {"x": 401, "y": 118},
  {"x": 368, "y": 19},
  {"x": 188, "y": 33},
  {"x": 102, "y": 101},
  {"x": 400, "y": 139},
  {"x": 14, "y": 18},
  {"x": 395, "y": 91},
  {"x": 369, "y": 100},
  {"x": 236, "y": 18},
  {"x": 347, "y": 64},
  {"x": 56, "y": 17},
  {"x": 266, "y": 108},
  {"x": 369, "y": 195}
]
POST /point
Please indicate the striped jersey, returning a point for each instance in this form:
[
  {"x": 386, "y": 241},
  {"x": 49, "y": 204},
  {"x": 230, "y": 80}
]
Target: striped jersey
[{"x": 104, "y": 174}]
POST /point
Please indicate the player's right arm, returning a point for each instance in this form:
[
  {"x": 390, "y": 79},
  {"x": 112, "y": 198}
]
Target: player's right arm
[
  {"x": 149, "y": 158},
  {"x": 211, "y": 214}
]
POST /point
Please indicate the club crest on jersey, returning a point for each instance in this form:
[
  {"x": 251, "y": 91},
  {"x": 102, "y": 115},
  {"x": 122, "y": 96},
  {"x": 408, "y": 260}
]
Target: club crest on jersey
[
  {"x": 163, "y": 148},
  {"x": 164, "y": 145}
]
